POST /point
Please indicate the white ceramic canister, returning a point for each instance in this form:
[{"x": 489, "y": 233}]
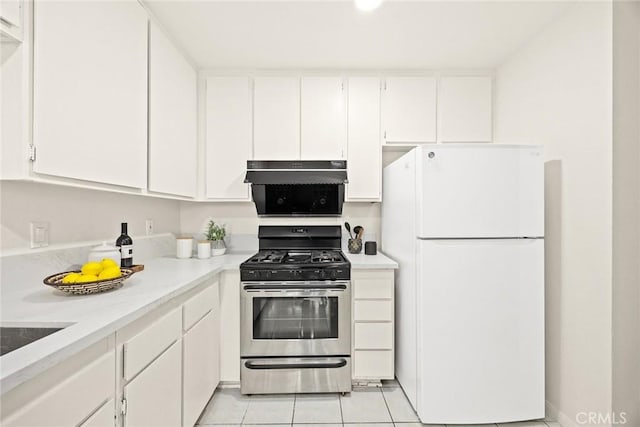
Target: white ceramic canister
[
  {"x": 184, "y": 247},
  {"x": 204, "y": 249},
  {"x": 103, "y": 251}
]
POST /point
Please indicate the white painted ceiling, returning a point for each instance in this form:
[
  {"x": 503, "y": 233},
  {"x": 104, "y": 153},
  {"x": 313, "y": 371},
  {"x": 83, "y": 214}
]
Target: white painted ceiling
[{"x": 333, "y": 34}]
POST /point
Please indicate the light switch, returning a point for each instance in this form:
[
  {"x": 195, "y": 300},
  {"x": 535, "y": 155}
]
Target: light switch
[{"x": 39, "y": 234}]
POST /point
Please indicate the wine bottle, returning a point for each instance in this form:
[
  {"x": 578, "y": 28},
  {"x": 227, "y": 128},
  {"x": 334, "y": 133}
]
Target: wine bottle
[{"x": 125, "y": 244}]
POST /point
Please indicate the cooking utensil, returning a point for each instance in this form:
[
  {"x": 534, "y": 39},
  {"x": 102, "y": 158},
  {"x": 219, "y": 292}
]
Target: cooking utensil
[
  {"x": 348, "y": 227},
  {"x": 359, "y": 231}
]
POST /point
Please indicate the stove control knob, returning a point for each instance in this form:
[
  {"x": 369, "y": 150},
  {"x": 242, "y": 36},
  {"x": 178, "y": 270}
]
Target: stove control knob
[
  {"x": 323, "y": 274},
  {"x": 334, "y": 274},
  {"x": 266, "y": 275},
  {"x": 297, "y": 273}
]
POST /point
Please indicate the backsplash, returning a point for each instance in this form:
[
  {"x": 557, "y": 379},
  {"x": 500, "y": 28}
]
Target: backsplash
[
  {"x": 242, "y": 221},
  {"x": 77, "y": 215},
  {"x": 52, "y": 260}
]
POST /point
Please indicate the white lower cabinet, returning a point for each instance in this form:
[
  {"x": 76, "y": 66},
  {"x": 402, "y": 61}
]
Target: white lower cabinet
[
  {"x": 67, "y": 394},
  {"x": 103, "y": 417},
  {"x": 154, "y": 396},
  {"x": 159, "y": 370},
  {"x": 230, "y": 330},
  {"x": 373, "y": 325},
  {"x": 200, "y": 357}
]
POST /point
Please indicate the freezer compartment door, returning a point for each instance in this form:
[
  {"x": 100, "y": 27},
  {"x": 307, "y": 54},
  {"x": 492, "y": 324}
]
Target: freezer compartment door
[
  {"x": 480, "y": 191},
  {"x": 480, "y": 331}
]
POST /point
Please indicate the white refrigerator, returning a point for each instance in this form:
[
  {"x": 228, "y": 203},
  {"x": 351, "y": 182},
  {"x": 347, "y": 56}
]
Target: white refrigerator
[{"x": 465, "y": 222}]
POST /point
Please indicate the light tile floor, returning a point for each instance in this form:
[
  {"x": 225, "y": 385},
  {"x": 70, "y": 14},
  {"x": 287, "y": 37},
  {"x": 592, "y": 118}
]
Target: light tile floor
[{"x": 363, "y": 407}]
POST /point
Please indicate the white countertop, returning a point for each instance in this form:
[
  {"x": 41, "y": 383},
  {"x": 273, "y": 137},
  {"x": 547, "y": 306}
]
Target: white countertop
[
  {"x": 26, "y": 300},
  {"x": 371, "y": 262}
]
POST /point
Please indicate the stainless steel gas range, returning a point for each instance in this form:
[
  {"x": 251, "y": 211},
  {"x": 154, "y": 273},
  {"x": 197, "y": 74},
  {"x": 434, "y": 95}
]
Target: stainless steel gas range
[{"x": 295, "y": 334}]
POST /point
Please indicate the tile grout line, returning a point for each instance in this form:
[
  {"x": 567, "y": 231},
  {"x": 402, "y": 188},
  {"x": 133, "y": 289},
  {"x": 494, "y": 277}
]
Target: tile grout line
[
  {"x": 340, "y": 395},
  {"x": 293, "y": 413},
  {"x": 387, "y": 405},
  {"x": 246, "y": 409}
]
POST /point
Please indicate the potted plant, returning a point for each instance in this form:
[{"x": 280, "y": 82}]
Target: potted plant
[{"x": 216, "y": 234}]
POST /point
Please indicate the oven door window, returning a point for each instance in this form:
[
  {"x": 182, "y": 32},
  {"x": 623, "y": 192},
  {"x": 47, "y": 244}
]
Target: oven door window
[{"x": 278, "y": 318}]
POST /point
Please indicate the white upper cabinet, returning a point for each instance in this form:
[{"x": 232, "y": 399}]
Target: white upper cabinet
[
  {"x": 324, "y": 120},
  {"x": 276, "y": 118},
  {"x": 409, "y": 110},
  {"x": 172, "y": 118},
  {"x": 464, "y": 109},
  {"x": 90, "y": 91},
  {"x": 11, "y": 19},
  {"x": 364, "y": 157},
  {"x": 228, "y": 142}
]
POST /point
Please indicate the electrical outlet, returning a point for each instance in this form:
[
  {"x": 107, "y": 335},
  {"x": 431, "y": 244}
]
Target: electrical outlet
[
  {"x": 39, "y": 234},
  {"x": 148, "y": 227}
]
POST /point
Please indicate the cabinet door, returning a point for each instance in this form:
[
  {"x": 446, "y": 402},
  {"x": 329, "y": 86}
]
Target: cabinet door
[
  {"x": 172, "y": 118},
  {"x": 409, "y": 110},
  {"x": 10, "y": 12},
  {"x": 201, "y": 370},
  {"x": 73, "y": 399},
  {"x": 230, "y": 333},
  {"x": 276, "y": 116},
  {"x": 103, "y": 417},
  {"x": 364, "y": 154},
  {"x": 324, "y": 133},
  {"x": 228, "y": 142},
  {"x": 464, "y": 109},
  {"x": 90, "y": 91},
  {"x": 154, "y": 397}
]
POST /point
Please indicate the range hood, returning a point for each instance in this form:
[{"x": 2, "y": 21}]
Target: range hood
[{"x": 297, "y": 188}]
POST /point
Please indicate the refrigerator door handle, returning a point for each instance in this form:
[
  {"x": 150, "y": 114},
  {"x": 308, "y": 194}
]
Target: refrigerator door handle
[{"x": 485, "y": 242}]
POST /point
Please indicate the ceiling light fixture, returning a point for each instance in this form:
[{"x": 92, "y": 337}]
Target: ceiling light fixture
[{"x": 368, "y": 5}]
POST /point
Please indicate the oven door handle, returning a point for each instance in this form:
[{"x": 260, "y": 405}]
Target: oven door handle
[
  {"x": 318, "y": 364},
  {"x": 295, "y": 287}
]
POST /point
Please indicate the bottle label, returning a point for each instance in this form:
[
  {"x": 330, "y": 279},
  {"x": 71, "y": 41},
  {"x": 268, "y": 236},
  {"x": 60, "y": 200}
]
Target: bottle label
[{"x": 126, "y": 251}]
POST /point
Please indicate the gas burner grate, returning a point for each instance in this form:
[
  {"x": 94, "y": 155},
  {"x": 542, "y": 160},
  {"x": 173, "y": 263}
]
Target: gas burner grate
[
  {"x": 270, "y": 257},
  {"x": 321, "y": 257}
]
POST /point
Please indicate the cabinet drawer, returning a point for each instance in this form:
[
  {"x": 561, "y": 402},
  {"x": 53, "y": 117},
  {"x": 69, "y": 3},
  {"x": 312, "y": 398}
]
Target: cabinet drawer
[
  {"x": 72, "y": 400},
  {"x": 140, "y": 350},
  {"x": 379, "y": 287},
  {"x": 378, "y": 336},
  {"x": 103, "y": 417},
  {"x": 198, "y": 306},
  {"x": 373, "y": 310},
  {"x": 373, "y": 364}
]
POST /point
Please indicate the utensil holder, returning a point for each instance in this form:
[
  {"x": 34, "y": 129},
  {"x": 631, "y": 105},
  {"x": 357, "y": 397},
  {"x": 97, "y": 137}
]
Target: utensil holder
[{"x": 354, "y": 246}]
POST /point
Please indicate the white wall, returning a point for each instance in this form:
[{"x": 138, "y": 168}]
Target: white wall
[
  {"x": 556, "y": 90},
  {"x": 77, "y": 215},
  {"x": 241, "y": 218},
  {"x": 626, "y": 210}
]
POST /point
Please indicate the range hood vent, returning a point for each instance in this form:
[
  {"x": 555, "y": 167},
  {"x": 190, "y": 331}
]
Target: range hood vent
[
  {"x": 297, "y": 188},
  {"x": 282, "y": 172}
]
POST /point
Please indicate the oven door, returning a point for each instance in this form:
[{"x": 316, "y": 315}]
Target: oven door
[{"x": 296, "y": 319}]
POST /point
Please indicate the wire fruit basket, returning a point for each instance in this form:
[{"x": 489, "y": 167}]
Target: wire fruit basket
[{"x": 87, "y": 288}]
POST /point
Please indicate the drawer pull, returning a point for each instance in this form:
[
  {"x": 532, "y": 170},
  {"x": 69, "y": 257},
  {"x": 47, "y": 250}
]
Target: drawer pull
[{"x": 339, "y": 363}]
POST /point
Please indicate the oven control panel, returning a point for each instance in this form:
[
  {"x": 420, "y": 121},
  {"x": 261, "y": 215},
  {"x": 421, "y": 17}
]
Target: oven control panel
[{"x": 307, "y": 274}]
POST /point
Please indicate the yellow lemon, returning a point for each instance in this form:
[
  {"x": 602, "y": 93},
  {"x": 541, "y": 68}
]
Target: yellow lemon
[
  {"x": 108, "y": 262},
  {"x": 92, "y": 268},
  {"x": 87, "y": 278},
  {"x": 71, "y": 278},
  {"x": 110, "y": 273}
]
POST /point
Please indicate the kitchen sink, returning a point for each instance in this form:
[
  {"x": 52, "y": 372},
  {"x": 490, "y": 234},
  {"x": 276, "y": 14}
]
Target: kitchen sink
[{"x": 12, "y": 338}]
